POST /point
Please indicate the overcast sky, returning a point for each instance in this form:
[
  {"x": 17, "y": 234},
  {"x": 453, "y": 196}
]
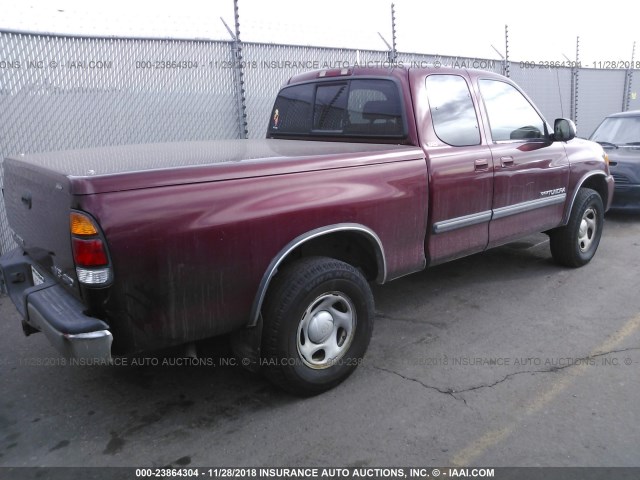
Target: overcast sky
[{"x": 538, "y": 31}]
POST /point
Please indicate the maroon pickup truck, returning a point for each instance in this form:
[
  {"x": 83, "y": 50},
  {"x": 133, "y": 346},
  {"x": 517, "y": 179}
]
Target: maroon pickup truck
[{"x": 366, "y": 175}]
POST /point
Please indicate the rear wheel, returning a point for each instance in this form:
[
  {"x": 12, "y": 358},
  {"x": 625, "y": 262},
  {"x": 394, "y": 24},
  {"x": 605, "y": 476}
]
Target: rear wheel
[
  {"x": 575, "y": 244},
  {"x": 318, "y": 320}
]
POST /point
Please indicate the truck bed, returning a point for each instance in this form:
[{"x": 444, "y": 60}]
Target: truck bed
[
  {"x": 131, "y": 167},
  {"x": 192, "y": 227}
]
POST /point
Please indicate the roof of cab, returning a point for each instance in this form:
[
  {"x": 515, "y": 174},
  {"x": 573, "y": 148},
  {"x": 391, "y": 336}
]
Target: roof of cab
[
  {"x": 382, "y": 71},
  {"x": 630, "y": 113}
]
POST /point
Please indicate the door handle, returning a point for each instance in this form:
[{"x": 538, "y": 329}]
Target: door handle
[
  {"x": 506, "y": 161},
  {"x": 481, "y": 164}
]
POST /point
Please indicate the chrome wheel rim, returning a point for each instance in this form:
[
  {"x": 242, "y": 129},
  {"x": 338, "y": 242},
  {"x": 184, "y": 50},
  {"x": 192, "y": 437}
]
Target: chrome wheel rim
[
  {"x": 326, "y": 330},
  {"x": 588, "y": 229}
]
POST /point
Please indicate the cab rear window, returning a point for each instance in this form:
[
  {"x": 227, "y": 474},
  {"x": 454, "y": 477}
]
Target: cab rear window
[{"x": 350, "y": 108}]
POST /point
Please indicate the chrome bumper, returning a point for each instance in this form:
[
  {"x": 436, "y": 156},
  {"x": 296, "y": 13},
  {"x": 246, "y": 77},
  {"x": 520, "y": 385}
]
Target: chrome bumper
[{"x": 51, "y": 309}]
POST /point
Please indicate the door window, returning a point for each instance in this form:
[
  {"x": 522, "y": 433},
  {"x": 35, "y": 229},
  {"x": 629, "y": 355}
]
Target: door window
[
  {"x": 452, "y": 112},
  {"x": 511, "y": 116}
]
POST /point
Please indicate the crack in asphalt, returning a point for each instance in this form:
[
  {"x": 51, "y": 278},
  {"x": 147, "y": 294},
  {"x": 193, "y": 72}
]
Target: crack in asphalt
[
  {"x": 554, "y": 369},
  {"x": 411, "y": 379}
]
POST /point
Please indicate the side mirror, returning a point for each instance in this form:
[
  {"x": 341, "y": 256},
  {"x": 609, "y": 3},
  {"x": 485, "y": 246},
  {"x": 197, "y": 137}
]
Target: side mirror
[{"x": 563, "y": 130}]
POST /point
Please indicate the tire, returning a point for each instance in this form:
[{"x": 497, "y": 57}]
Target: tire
[
  {"x": 575, "y": 244},
  {"x": 318, "y": 320}
]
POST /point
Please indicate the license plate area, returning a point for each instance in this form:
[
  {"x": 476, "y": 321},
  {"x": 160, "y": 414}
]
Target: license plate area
[{"x": 38, "y": 279}]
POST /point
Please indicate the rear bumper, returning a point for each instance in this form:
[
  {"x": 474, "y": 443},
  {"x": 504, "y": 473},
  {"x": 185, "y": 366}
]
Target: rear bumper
[{"x": 54, "y": 311}]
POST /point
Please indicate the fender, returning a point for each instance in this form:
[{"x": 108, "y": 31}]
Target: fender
[
  {"x": 579, "y": 185},
  {"x": 300, "y": 240}
]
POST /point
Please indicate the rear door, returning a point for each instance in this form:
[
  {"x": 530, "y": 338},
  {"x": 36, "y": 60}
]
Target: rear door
[
  {"x": 460, "y": 167},
  {"x": 531, "y": 171}
]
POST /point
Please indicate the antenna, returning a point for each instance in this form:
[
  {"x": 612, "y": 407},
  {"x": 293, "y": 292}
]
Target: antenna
[{"x": 559, "y": 92}]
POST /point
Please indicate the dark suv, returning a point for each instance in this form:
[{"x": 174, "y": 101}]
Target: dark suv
[{"x": 619, "y": 134}]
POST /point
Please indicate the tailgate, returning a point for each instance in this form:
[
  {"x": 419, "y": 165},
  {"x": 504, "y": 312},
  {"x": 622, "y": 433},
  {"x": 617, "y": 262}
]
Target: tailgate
[{"x": 38, "y": 203}]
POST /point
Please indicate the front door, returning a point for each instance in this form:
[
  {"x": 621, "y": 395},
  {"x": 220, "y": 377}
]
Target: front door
[{"x": 531, "y": 171}]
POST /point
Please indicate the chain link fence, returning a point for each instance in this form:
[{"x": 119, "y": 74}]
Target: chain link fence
[
  {"x": 598, "y": 91},
  {"x": 268, "y": 67},
  {"x": 549, "y": 88},
  {"x": 62, "y": 92}
]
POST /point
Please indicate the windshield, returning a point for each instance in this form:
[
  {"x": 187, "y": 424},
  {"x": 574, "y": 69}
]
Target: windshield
[{"x": 618, "y": 131}]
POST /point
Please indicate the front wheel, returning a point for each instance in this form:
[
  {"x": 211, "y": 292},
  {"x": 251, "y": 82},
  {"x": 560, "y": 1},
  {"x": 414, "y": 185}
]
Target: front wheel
[
  {"x": 318, "y": 320},
  {"x": 575, "y": 244}
]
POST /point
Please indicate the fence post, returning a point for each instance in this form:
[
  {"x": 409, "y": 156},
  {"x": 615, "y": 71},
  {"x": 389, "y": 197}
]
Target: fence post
[
  {"x": 575, "y": 74},
  {"x": 238, "y": 74},
  {"x": 506, "y": 52},
  {"x": 628, "y": 81},
  {"x": 394, "y": 53}
]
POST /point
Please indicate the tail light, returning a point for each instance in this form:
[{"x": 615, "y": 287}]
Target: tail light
[{"x": 89, "y": 251}]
